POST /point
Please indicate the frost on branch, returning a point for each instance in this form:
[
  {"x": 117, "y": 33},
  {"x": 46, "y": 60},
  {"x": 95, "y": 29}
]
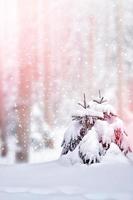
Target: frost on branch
[{"x": 94, "y": 128}]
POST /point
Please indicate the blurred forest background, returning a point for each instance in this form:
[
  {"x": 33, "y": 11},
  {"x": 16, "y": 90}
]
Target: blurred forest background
[{"x": 51, "y": 52}]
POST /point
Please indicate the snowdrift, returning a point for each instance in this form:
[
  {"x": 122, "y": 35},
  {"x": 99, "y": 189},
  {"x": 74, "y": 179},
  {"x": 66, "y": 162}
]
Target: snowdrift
[{"x": 56, "y": 181}]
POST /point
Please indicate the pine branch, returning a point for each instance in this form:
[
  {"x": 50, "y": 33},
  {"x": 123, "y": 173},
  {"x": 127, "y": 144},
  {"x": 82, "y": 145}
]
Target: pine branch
[
  {"x": 101, "y": 99},
  {"x": 81, "y": 105},
  {"x": 99, "y": 102},
  {"x": 84, "y": 105},
  {"x": 74, "y": 117},
  {"x": 85, "y": 101},
  {"x": 125, "y": 133},
  {"x": 100, "y": 94}
]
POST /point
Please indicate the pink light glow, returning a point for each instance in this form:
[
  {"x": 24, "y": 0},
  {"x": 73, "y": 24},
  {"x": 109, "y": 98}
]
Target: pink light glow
[{"x": 62, "y": 45}]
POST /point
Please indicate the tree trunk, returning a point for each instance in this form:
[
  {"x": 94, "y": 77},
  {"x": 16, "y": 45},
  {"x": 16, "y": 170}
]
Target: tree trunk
[
  {"x": 27, "y": 65},
  {"x": 47, "y": 67},
  {"x": 3, "y": 136},
  {"x": 23, "y": 114}
]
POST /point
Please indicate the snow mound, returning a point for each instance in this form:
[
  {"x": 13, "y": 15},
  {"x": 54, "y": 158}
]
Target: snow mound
[
  {"x": 89, "y": 147},
  {"x": 54, "y": 180}
]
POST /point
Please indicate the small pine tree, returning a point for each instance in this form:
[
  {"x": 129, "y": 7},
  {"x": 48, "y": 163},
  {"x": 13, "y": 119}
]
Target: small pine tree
[{"x": 94, "y": 128}]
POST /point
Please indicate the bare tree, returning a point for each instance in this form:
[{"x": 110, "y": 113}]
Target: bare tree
[
  {"x": 3, "y": 136},
  {"x": 27, "y": 60}
]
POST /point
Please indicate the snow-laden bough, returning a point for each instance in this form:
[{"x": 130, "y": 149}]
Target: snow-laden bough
[{"x": 94, "y": 128}]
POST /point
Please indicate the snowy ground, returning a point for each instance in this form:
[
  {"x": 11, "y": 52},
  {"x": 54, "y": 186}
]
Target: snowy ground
[
  {"x": 110, "y": 180},
  {"x": 55, "y": 181}
]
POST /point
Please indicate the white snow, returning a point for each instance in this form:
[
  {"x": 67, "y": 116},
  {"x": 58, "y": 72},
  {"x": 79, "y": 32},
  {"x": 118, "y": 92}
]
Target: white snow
[
  {"x": 73, "y": 131},
  {"x": 114, "y": 155},
  {"x": 90, "y": 146},
  {"x": 89, "y": 112},
  {"x": 103, "y": 108},
  {"x": 54, "y": 181},
  {"x": 104, "y": 131},
  {"x": 118, "y": 124},
  {"x": 71, "y": 158}
]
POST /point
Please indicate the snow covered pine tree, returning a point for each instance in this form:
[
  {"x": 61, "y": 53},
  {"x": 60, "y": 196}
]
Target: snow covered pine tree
[{"x": 94, "y": 128}]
